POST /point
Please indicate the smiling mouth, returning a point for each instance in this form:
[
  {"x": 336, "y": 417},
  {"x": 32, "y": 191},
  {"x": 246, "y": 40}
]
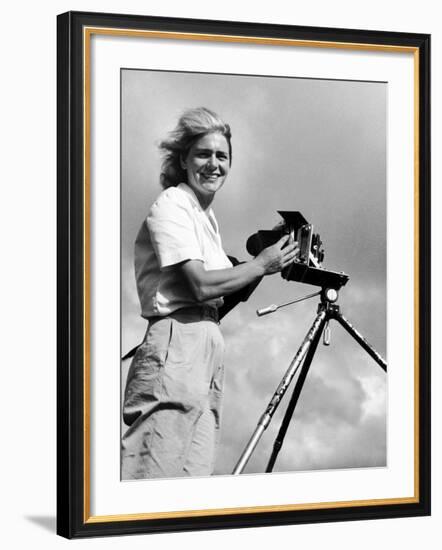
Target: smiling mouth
[{"x": 210, "y": 177}]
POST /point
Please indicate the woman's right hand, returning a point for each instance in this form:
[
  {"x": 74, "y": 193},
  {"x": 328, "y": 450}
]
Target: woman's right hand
[{"x": 278, "y": 256}]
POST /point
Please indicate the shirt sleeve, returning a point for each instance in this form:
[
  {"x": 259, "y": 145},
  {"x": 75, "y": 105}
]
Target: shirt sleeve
[{"x": 172, "y": 232}]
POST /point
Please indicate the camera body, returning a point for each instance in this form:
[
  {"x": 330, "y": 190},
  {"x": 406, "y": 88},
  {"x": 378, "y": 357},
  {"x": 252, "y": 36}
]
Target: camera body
[{"x": 307, "y": 266}]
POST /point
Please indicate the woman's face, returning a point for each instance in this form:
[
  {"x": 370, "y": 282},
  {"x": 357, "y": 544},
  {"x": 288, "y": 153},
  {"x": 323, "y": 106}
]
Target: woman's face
[{"x": 207, "y": 165}]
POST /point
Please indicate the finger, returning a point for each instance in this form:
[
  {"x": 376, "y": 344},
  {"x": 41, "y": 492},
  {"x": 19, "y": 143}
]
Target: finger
[
  {"x": 283, "y": 240},
  {"x": 289, "y": 258},
  {"x": 296, "y": 250},
  {"x": 286, "y": 264},
  {"x": 289, "y": 248}
]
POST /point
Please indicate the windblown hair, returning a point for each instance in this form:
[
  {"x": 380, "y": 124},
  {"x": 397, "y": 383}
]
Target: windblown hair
[{"x": 192, "y": 125}]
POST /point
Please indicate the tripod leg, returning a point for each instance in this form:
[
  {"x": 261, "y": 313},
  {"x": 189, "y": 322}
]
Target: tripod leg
[
  {"x": 293, "y": 401},
  {"x": 264, "y": 421},
  {"x": 361, "y": 340}
]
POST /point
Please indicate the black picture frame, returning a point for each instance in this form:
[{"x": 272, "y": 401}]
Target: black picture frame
[{"x": 73, "y": 516}]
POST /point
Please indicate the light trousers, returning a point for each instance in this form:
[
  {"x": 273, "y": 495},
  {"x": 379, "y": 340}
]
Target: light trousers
[{"x": 173, "y": 398}]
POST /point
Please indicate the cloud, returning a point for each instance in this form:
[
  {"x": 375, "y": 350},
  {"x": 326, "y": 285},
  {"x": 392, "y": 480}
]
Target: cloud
[
  {"x": 340, "y": 420},
  {"x": 302, "y": 144}
]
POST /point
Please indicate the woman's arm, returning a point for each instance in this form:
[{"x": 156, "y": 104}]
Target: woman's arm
[{"x": 206, "y": 285}]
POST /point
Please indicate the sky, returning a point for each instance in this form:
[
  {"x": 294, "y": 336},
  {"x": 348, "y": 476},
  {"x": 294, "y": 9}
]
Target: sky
[{"x": 317, "y": 146}]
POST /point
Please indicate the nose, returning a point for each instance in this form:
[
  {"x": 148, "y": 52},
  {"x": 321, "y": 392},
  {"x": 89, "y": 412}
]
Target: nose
[{"x": 212, "y": 162}]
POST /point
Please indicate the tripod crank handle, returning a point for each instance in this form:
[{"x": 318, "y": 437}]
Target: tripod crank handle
[
  {"x": 266, "y": 310},
  {"x": 274, "y": 307}
]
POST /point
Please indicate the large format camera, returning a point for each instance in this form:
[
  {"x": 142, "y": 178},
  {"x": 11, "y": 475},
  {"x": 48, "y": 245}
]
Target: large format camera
[{"x": 307, "y": 266}]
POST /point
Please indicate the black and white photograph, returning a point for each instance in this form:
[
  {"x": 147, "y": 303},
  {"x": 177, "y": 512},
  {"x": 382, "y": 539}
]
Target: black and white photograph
[
  {"x": 243, "y": 274},
  {"x": 253, "y": 274},
  {"x": 220, "y": 275}
]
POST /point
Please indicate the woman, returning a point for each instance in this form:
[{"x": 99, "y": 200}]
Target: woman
[{"x": 174, "y": 388}]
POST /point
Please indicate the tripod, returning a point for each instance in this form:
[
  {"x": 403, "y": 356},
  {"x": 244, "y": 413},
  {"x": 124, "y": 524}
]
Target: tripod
[{"x": 327, "y": 310}]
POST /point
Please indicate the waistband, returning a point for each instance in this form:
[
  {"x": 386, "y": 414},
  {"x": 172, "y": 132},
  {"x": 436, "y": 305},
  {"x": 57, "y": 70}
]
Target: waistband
[{"x": 191, "y": 314}]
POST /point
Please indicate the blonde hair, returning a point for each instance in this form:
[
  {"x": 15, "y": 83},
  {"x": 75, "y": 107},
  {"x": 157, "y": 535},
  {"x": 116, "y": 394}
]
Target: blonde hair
[{"x": 192, "y": 125}]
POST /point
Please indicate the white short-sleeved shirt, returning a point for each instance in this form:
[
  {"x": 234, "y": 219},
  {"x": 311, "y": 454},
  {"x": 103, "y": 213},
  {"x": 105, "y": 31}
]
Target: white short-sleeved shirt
[{"x": 176, "y": 229}]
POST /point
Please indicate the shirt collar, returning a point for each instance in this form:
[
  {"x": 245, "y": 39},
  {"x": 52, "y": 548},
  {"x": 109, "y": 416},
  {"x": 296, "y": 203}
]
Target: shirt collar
[
  {"x": 184, "y": 187},
  {"x": 209, "y": 212},
  {"x": 187, "y": 189}
]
